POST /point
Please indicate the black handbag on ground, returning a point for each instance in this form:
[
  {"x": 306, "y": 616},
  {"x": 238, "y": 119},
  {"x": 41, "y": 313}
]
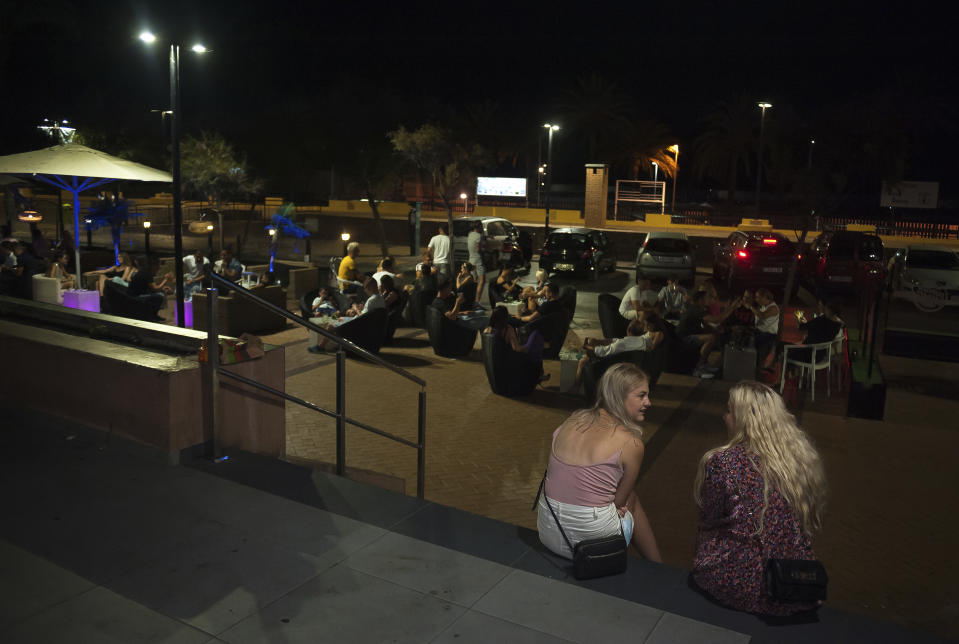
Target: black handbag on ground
[
  {"x": 796, "y": 580},
  {"x": 592, "y": 558}
]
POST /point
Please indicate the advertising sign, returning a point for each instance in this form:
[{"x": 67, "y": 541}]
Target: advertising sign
[
  {"x": 501, "y": 186},
  {"x": 910, "y": 194}
]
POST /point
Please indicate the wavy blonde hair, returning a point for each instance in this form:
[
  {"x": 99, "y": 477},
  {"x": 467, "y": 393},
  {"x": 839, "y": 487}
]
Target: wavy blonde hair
[
  {"x": 614, "y": 386},
  {"x": 788, "y": 461}
]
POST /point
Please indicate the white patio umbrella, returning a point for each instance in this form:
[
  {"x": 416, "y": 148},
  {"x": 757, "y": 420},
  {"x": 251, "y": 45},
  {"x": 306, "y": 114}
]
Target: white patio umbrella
[{"x": 76, "y": 168}]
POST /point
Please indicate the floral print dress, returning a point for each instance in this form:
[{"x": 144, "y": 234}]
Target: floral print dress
[{"x": 730, "y": 560}]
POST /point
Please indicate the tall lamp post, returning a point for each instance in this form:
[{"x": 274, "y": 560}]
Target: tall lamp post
[
  {"x": 150, "y": 38},
  {"x": 146, "y": 238},
  {"x": 466, "y": 204},
  {"x": 675, "y": 148},
  {"x": 549, "y": 169},
  {"x": 759, "y": 165}
]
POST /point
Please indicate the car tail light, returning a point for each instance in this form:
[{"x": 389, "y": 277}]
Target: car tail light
[
  {"x": 741, "y": 254},
  {"x": 587, "y": 253},
  {"x": 770, "y": 241},
  {"x": 544, "y": 253},
  {"x": 799, "y": 256}
]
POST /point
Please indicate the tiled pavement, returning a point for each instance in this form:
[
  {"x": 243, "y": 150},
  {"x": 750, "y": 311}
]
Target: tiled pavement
[{"x": 100, "y": 544}]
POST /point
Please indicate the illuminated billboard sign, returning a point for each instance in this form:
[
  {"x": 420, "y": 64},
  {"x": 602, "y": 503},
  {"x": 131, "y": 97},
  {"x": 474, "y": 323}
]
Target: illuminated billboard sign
[{"x": 501, "y": 187}]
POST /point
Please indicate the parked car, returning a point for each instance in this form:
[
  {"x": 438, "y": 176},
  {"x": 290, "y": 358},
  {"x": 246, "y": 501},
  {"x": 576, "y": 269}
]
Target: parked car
[
  {"x": 753, "y": 259},
  {"x": 843, "y": 261},
  {"x": 663, "y": 255},
  {"x": 578, "y": 250},
  {"x": 502, "y": 243},
  {"x": 930, "y": 275}
]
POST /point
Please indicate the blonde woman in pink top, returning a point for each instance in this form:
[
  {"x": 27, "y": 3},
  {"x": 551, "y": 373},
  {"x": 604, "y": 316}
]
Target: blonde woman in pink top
[{"x": 593, "y": 466}]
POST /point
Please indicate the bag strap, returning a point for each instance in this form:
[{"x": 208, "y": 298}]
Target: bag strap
[{"x": 548, "y": 505}]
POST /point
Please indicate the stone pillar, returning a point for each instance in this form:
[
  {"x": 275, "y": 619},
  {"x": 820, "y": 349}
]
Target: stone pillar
[{"x": 597, "y": 192}]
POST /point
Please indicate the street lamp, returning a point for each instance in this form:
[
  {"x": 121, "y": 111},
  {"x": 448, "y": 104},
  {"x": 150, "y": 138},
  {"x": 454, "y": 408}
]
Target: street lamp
[
  {"x": 146, "y": 237},
  {"x": 466, "y": 204},
  {"x": 549, "y": 168},
  {"x": 675, "y": 148},
  {"x": 345, "y": 237},
  {"x": 759, "y": 169},
  {"x": 149, "y": 38},
  {"x": 812, "y": 144}
]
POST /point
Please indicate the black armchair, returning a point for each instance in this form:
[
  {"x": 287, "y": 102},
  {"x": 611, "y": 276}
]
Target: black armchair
[
  {"x": 367, "y": 331},
  {"x": 567, "y": 297},
  {"x": 510, "y": 373},
  {"x": 394, "y": 317},
  {"x": 448, "y": 338},
  {"x": 496, "y": 294},
  {"x": 613, "y": 324},
  {"x": 680, "y": 357},
  {"x": 553, "y": 327},
  {"x": 651, "y": 362},
  {"x": 419, "y": 300},
  {"x": 306, "y": 303},
  {"x": 116, "y": 301}
]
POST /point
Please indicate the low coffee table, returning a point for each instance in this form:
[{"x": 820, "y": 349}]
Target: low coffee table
[{"x": 568, "y": 361}]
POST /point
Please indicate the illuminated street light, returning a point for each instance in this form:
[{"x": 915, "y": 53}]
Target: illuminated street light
[
  {"x": 759, "y": 169},
  {"x": 465, "y": 197},
  {"x": 550, "y": 127},
  {"x": 149, "y": 38},
  {"x": 146, "y": 237}
]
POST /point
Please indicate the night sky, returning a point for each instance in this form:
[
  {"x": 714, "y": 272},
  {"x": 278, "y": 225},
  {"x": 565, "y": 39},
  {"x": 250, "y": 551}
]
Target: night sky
[{"x": 291, "y": 84}]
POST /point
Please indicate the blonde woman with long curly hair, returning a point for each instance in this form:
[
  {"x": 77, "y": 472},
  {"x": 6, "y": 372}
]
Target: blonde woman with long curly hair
[
  {"x": 593, "y": 466},
  {"x": 761, "y": 495}
]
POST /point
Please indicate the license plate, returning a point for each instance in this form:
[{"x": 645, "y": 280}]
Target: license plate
[
  {"x": 840, "y": 278},
  {"x": 669, "y": 260},
  {"x": 563, "y": 267},
  {"x": 773, "y": 269}
]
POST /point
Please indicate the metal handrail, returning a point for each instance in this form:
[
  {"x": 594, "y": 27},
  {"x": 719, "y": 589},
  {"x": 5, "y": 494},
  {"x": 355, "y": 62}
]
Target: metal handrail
[{"x": 339, "y": 415}]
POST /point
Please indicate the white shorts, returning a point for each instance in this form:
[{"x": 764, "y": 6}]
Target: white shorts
[
  {"x": 580, "y": 523},
  {"x": 630, "y": 314},
  {"x": 477, "y": 263}
]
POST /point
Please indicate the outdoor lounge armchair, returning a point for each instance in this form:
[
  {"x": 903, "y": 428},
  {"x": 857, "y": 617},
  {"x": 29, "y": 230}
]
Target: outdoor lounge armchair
[
  {"x": 419, "y": 301},
  {"x": 117, "y": 301},
  {"x": 567, "y": 297},
  {"x": 553, "y": 327},
  {"x": 367, "y": 331},
  {"x": 510, "y": 373},
  {"x": 613, "y": 324},
  {"x": 680, "y": 357},
  {"x": 237, "y": 315},
  {"x": 448, "y": 339}
]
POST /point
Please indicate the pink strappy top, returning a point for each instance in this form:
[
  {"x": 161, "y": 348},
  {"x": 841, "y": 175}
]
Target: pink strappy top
[{"x": 588, "y": 485}]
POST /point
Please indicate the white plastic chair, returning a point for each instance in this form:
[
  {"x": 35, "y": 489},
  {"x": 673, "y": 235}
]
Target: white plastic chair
[{"x": 820, "y": 357}]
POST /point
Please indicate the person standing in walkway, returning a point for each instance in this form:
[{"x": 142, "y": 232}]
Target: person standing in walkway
[
  {"x": 474, "y": 245},
  {"x": 347, "y": 274},
  {"x": 593, "y": 467},
  {"x": 761, "y": 496},
  {"x": 440, "y": 247}
]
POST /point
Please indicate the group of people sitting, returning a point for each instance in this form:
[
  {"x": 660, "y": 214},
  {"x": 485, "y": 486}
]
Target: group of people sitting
[{"x": 761, "y": 494}]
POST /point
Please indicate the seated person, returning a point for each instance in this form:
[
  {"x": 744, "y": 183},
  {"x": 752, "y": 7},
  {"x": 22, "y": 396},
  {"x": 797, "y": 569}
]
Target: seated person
[
  {"x": 143, "y": 285},
  {"x": 58, "y": 271},
  {"x": 692, "y": 331},
  {"x": 502, "y": 331},
  {"x": 740, "y": 312},
  {"x": 551, "y": 305},
  {"x": 466, "y": 285},
  {"x": 324, "y": 304},
  {"x": 594, "y": 464},
  {"x": 541, "y": 279},
  {"x": 194, "y": 273},
  {"x": 373, "y": 301},
  {"x": 347, "y": 274},
  {"x": 506, "y": 285},
  {"x": 529, "y": 301},
  {"x": 453, "y": 306},
  {"x": 228, "y": 267},
  {"x": 638, "y": 298},
  {"x": 119, "y": 274},
  {"x": 767, "y": 325},
  {"x": 391, "y": 296},
  {"x": 641, "y": 335},
  {"x": 426, "y": 272},
  {"x": 824, "y": 327},
  {"x": 761, "y": 495},
  {"x": 385, "y": 267},
  {"x": 671, "y": 299}
]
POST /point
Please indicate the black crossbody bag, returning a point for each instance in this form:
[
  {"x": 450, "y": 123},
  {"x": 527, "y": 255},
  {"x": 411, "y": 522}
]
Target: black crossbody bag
[{"x": 593, "y": 557}]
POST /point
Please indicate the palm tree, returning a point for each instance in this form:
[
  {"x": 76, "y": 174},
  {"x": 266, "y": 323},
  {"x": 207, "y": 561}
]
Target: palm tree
[
  {"x": 595, "y": 109},
  {"x": 647, "y": 141},
  {"x": 727, "y": 144}
]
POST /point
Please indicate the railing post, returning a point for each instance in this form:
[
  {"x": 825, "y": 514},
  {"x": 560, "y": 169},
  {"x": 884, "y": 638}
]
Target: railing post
[
  {"x": 421, "y": 446},
  {"x": 340, "y": 411},
  {"x": 213, "y": 359}
]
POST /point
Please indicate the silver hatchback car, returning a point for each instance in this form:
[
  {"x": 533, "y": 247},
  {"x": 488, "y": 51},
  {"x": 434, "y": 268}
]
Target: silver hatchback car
[{"x": 663, "y": 255}]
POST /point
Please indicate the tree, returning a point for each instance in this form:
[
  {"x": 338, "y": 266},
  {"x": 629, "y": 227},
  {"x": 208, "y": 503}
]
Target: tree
[
  {"x": 211, "y": 169},
  {"x": 372, "y": 168},
  {"x": 647, "y": 141},
  {"x": 595, "y": 109},
  {"x": 449, "y": 165}
]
